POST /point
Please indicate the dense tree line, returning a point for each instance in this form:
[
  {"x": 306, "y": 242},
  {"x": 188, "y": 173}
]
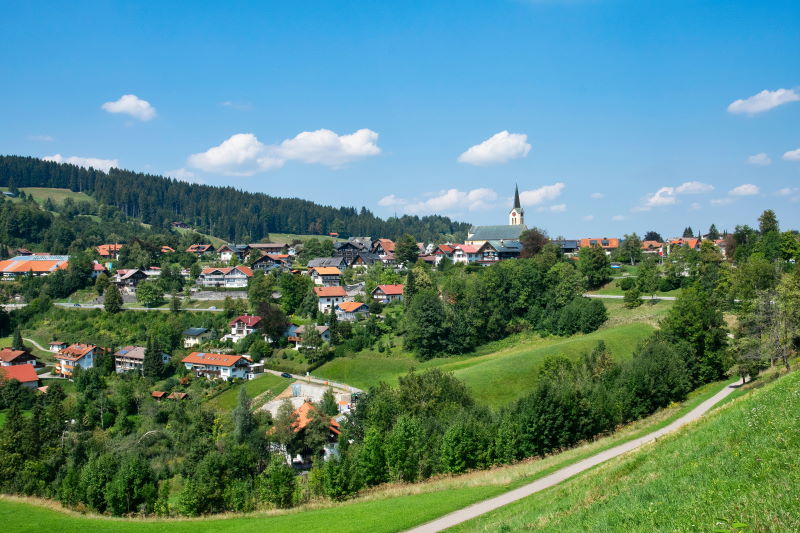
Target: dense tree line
[{"x": 225, "y": 212}]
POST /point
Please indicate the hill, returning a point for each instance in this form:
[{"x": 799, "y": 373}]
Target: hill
[
  {"x": 740, "y": 464},
  {"x": 230, "y": 214}
]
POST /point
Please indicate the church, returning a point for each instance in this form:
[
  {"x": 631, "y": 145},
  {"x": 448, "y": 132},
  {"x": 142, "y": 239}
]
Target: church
[{"x": 478, "y": 235}]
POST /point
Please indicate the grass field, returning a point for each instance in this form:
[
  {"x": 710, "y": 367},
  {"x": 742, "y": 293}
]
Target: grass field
[
  {"x": 613, "y": 289},
  {"x": 495, "y": 378},
  {"x": 270, "y": 384},
  {"x": 287, "y": 238},
  {"x": 40, "y": 194},
  {"x": 739, "y": 464},
  {"x": 387, "y": 508}
]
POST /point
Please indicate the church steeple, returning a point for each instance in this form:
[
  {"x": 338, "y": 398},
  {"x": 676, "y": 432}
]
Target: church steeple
[{"x": 516, "y": 217}]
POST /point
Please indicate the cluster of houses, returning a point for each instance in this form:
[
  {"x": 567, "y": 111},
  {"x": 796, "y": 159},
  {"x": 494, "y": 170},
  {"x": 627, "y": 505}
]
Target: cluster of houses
[{"x": 19, "y": 365}]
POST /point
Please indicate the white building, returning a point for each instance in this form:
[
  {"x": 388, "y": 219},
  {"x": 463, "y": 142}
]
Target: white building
[
  {"x": 225, "y": 277},
  {"x": 329, "y": 297},
  {"x": 217, "y": 365}
]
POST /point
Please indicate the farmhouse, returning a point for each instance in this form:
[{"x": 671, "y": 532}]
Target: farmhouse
[
  {"x": 74, "y": 356},
  {"x": 132, "y": 358},
  {"x": 225, "y": 277},
  {"x": 364, "y": 260},
  {"x": 349, "y": 311},
  {"x": 382, "y": 247},
  {"x": 128, "y": 278},
  {"x": 11, "y": 357},
  {"x": 25, "y": 374},
  {"x": 269, "y": 262},
  {"x": 217, "y": 365},
  {"x": 329, "y": 297},
  {"x": 349, "y": 249},
  {"x": 195, "y": 336},
  {"x": 387, "y": 293}
]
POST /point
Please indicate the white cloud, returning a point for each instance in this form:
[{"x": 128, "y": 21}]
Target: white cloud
[
  {"x": 722, "y": 201},
  {"x": 499, "y": 148},
  {"x": 244, "y": 155},
  {"x": 588, "y": 217},
  {"x": 693, "y": 187},
  {"x": 669, "y": 195},
  {"x": 41, "y": 138},
  {"x": 617, "y": 218},
  {"x": 763, "y": 101},
  {"x": 455, "y": 199},
  {"x": 761, "y": 159},
  {"x": 788, "y": 191},
  {"x": 99, "y": 164},
  {"x": 748, "y": 189},
  {"x": 239, "y": 106},
  {"x": 792, "y": 155},
  {"x": 391, "y": 200},
  {"x": 596, "y": 195},
  {"x": 542, "y": 194},
  {"x": 695, "y": 206},
  {"x": 328, "y": 148},
  {"x": 558, "y": 208},
  {"x": 132, "y": 105}
]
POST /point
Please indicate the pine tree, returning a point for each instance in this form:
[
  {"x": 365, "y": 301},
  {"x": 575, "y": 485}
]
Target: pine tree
[
  {"x": 175, "y": 304},
  {"x": 333, "y": 325},
  {"x": 113, "y": 299},
  {"x": 16, "y": 341},
  {"x": 153, "y": 365},
  {"x": 243, "y": 421}
]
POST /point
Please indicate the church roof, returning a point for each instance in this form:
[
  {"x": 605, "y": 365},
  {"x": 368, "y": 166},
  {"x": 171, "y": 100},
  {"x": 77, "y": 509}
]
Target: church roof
[
  {"x": 496, "y": 233},
  {"x": 516, "y": 197}
]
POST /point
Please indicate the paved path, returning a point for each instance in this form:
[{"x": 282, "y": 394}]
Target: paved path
[
  {"x": 35, "y": 344},
  {"x": 318, "y": 381},
  {"x": 620, "y": 297},
  {"x": 477, "y": 509}
]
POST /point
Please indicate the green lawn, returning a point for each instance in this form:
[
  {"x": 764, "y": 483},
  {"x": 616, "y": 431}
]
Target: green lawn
[
  {"x": 287, "y": 238},
  {"x": 739, "y": 464},
  {"x": 612, "y": 288},
  {"x": 495, "y": 378},
  {"x": 265, "y": 383},
  {"x": 5, "y": 342},
  {"x": 40, "y": 194},
  {"x": 386, "y": 509}
]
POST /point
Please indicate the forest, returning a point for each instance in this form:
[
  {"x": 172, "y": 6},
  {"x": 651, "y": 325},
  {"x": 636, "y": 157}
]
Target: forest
[{"x": 227, "y": 213}]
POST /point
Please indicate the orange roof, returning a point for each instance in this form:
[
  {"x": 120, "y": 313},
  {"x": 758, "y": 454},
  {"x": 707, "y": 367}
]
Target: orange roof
[
  {"x": 390, "y": 289},
  {"x": 199, "y": 248},
  {"x": 329, "y": 292},
  {"x": 33, "y": 266},
  {"x": 158, "y": 394},
  {"x": 213, "y": 359},
  {"x": 22, "y": 373},
  {"x": 76, "y": 351},
  {"x": 167, "y": 249},
  {"x": 649, "y": 245},
  {"x": 227, "y": 270},
  {"x": 327, "y": 271},
  {"x": 7, "y": 354},
  {"x": 468, "y": 248},
  {"x": 305, "y": 413},
  {"x": 387, "y": 245},
  {"x": 349, "y": 307},
  {"x": 603, "y": 243},
  {"x": 107, "y": 250}
]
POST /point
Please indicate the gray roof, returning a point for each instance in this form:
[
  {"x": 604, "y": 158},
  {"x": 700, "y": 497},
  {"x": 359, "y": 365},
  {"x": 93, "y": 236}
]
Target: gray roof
[
  {"x": 496, "y": 233},
  {"x": 326, "y": 262},
  {"x": 506, "y": 246},
  {"x": 193, "y": 332}
]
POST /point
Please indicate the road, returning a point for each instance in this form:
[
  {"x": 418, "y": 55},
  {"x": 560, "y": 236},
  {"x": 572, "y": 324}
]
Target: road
[
  {"x": 318, "y": 381},
  {"x": 620, "y": 297},
  {"x": 39, "y": 346},
  {"x": 100, "y": 306},
  {"x": 475, "y": 510}
]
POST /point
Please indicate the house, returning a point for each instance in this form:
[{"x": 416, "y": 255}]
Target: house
[
  {"x": 388, "y": 293},
  {"x": 568, "y": 247},
  {"x": 364, "y": 260},
  {"x": 177, "y": 396},
  {"x": 76, "y": 355},
  {"x": 303, "y": 416},
  {"x": 225, "y": 277},
  {"x": 216, "y": 365},
  {"x": 609, "y": 245},
  {"x": 271, "y": 261},
  {"x": 132, "y": 358},
  {"x": 167, "y": 249},
  {"x": 109, "y": 251},
  {"x": 382, "y": 247},
  {"x": 158, "y": 395},
  {"x": 350, "y": 311},
  {"x": 338, "y": 262},
  {"x": 349, "y": 249},
  {"x": 442, "y": 251},
  {"x": 242, "y": 326},
  {"x": 329, "y": 297},
  {"x": 200, "y": 249},
  {"x": 466, "y": 253},
  {"x": 22, "y": 251},
  {"x": 128, "y": 278},
  {"x": 25, "y": 374},
  {"x": 34, "y": 265},
  {"x": 326, "y": 276},
  {"x": 57, "y": 346},
  {"x": 297, "y": 336},
  {"x": 195, "y": 337},
  {"x": 98, "y": 269},
  {"x": 652, "y": 247},
  {"x": 228, "y": 251},
  {"x": 690, "y": 242},
  {"x": 11, "y": 357},
  {"x": 179, "y": 224},
  {"x": 493, "y": 251},
  {"x": 270, "y": 247}
]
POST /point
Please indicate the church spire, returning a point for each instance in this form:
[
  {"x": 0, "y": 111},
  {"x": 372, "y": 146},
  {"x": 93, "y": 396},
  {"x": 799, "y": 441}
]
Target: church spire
[
  {"x": 516, "y": 196},
  {"x": 517, "y": 215}
]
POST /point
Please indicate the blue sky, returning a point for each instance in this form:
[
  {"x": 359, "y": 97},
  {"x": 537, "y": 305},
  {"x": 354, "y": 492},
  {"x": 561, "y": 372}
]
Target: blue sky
[{"x": 669, "y": 113}]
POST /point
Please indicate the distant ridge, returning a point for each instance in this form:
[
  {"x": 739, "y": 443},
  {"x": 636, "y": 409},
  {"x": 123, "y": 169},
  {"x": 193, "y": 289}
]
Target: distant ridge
[{"x": 228, "y": 213}]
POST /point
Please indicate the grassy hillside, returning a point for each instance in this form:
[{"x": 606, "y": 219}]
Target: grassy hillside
[
  {"x": 269, "y": 385},
  {"x": 40, "y": 194},
  {"x": 740, "y": 464},
  {"x": 386, "y": 509},
  {"x": 503, "y": 371}
]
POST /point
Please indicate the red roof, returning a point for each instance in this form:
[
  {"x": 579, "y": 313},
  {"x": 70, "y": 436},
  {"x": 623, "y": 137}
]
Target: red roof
[
  {"x": 305, "y": 413},
  {"x": 167, "y": 249},
  {"x": 248, "y": 320},
  {"x": 107, "y": 250},
  {"x": 22, "y": 373},
  {"x": 390, "y": 290},
  {"x": 98, "y": 267},
  {"x": 387, "y": 245},
  {"x": 468, "y": 248},
  {"x": 76, "y": 351},
  {"x": 33, "y": 266},
  {"x": 212, "y": 359},
  {"x": 330, "y": 292},
  {"x": 7, "y": 354},
  {"x": 609, "y": 243},
  {"x": 199, "y": 248},
  {"x": 349, "y": 307},
  {"x": 158, "y": 394},
  {"x": 444, "y": 249}
]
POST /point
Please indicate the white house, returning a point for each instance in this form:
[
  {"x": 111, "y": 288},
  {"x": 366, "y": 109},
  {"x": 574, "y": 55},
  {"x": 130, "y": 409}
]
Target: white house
[
  {"x": 329, "y": 297},
  {"x": 225, "y": 277},
  {"x": 297, "y": 336},
  {"x": 228, "y": 251},
  {"x": 195, "y": 337},
  {"x": 74, "y": 356},
  {"x": 349, "y": 311},
  {"x": 57, "y": 346},
  {"x": 326, "y": 276},
  {"x": 217, "y": 365},
  {"x": 242, "y": 326},
  {"x": 388, "y": 293},
  {"x": 466, "y": 253}
]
